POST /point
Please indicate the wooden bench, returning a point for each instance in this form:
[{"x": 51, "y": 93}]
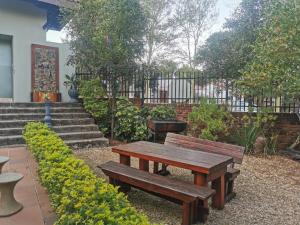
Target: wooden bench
[
  {"x": 190, "y": 196},
  {"x": 236, "y": 152}
]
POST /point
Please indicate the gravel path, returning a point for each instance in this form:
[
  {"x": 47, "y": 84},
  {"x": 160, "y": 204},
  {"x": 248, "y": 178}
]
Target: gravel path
[{"x": 268, "y": 192}]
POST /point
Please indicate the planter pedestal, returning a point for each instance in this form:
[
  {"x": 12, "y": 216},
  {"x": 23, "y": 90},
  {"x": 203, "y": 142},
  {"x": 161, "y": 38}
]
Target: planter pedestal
[{"x": 165, "y": 126}]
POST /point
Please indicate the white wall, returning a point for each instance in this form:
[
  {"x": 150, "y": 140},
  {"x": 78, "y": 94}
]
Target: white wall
[{"x": 24, "y": 22}]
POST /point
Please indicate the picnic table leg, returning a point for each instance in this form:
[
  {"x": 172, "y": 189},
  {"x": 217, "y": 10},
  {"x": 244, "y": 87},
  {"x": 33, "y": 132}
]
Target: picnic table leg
[
  {"x": 218, "y": 199},
  {"x": 186, "y": 217},
  {"x": 200, "y": 180},
  {"x": 155, "y": 167},
  {"x": 144, "y": 165},
  {"x": 124, "y": 159}
]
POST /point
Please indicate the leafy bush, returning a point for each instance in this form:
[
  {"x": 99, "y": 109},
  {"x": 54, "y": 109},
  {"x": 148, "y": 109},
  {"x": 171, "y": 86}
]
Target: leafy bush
[
  {"x": 163, "y": 112},
  {"x": 93, "y": 96},
  {"x": 255, "y": 125},
  {"x": 130, "y": 122},
  {"x": 209, "y": 121},
  {"x": 77, "y": 195}
]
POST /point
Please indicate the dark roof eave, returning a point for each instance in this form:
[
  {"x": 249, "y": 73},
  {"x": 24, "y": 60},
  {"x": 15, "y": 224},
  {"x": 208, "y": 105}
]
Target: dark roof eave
[{"x": 53, "y": 12}]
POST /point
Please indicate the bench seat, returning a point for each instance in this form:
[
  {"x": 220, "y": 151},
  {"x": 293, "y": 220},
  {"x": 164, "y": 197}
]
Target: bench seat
[
  {"x": 198, "y": 144},
  {"x": 232, "y": 173},
  {"x": 189, "y": 195}
]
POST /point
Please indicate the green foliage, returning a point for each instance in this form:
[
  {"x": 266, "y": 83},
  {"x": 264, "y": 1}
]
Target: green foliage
[
  {"x": 93, "y": 96},
  {"x": 163, "y": 112},
  {"x": 275, "y": 66},
  {"x": 77, "y": 195},
  {"x": 219, "y": 56},
  {"x": 71, "y": 81},
  {"x": 209, "y": 121},
  {"x": 226, "y": 53},
  {"x": 130, "y": 122},
  {"x": 105, "y": 32},
  {"x": 255, "y": 125}
]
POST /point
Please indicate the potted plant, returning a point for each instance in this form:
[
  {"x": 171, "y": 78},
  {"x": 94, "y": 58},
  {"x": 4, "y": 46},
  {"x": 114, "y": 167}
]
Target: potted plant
[
  {"x": 72, "y": 83},
  {"x": 162, "y": 120}
]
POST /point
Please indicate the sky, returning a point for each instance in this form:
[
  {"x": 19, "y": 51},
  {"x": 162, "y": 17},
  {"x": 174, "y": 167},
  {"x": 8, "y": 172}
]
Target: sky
[{"x": 224, "y": 8}]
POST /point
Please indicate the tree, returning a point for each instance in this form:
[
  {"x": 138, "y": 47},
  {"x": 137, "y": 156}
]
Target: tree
[
  {"x": 219, "y": 57},
  {"x": 106, "y": 34},
  {"x": 159, "y": 36},
  {"x": 244, "y": 25},
  {"x": 226, "y": 53},
  {"x": 275, "y": 67},
  {"x": 191, "y": 19}
]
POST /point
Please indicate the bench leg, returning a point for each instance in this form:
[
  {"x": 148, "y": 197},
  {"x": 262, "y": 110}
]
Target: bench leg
[
  {"x": 218, "y": 199},
  {"x": 125, "y": 160},
  {"x": 163, "y": 171},
  {"x": 230, "y": 194},
  {"x": 155, "y": 167},
  {"x": 186, "y": 214},
  {"x": 125, "y": 188},
  {"x": 201, "y": 180},
  {"x": 144, "y": 165},
  {"x": 203, "y": 211}
]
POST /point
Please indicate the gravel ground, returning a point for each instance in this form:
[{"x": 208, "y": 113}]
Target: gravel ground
[{"x": 268, "y": 192}]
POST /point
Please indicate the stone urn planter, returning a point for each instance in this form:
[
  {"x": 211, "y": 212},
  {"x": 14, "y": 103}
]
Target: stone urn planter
[
  {"x": 71, "y": 83},
  {"x": 73, "y": 94}
]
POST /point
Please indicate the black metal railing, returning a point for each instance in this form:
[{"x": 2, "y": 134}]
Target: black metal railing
[{"x": 156, "y": 87}]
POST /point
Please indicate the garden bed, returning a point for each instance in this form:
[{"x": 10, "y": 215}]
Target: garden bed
[{"x": 264, "y": 195}]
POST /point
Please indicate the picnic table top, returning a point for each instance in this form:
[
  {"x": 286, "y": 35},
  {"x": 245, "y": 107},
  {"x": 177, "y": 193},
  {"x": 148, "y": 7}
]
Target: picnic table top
[{"x": 198, "y": 161}]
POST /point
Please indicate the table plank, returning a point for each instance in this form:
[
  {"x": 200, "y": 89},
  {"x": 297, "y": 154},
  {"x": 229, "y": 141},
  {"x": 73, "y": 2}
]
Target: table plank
[{"x": 197, "y": 161}]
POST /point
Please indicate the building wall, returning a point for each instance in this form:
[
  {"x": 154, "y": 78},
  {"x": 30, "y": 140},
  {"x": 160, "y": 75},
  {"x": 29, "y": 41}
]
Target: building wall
[{"x": 24, "y": 22}]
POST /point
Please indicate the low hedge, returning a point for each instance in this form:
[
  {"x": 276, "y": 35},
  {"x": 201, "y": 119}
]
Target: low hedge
[{"x": 77, "y": 195}]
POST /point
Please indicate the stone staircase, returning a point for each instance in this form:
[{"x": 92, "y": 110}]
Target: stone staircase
[{"x": 69, "y": 120}]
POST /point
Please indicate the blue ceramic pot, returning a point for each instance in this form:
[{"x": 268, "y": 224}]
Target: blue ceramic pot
[{"x": 73, "y": 93}]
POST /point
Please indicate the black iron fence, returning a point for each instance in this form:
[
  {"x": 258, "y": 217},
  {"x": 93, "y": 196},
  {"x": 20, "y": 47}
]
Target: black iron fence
[{"x": 157, "y": 87}]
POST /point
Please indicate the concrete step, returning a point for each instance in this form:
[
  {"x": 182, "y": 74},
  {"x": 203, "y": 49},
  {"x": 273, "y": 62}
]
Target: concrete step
[
  {"x": 78, "y": 121},
  {"x": 40, "y": 110},
  {"x": 74, "y": 139},
  {"x": 55, "y": 122},
  {"x": 40, "y": 116},
  {"x": 87, "y": 143},
  {"x": 69, "y": 120},
  {"x": 59, "y": 129},
  {"x": 80, "y": 135},
  {"x": 37, "y": 104},
  {"x": 11, "y": 131},
  {"x": 76, "y": 128},
  {"x": 11, "y": 140}
]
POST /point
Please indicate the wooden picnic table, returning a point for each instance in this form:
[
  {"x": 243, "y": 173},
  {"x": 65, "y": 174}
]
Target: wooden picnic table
[{"x": 205, "y": 166}]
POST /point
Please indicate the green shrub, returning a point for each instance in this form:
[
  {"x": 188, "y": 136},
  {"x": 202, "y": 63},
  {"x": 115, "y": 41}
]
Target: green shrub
[
  {"x": 210, "y": 121},
  {"x": 255, "y": 125},
  {"x": 163, "y": 112},
  {"x": 77, "y": 195},
  {"x": 130, "y": 122},
  {"x": 95, "y": 102}
]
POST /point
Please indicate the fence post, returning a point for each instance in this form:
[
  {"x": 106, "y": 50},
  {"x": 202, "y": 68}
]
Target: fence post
[{"x": 143, "y": 89}]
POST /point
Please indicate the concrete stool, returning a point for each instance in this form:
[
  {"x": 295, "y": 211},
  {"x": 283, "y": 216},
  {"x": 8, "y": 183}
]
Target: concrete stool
[
  {"x": 8, "y": 203},
  {"x": 3, "y": 160}
]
